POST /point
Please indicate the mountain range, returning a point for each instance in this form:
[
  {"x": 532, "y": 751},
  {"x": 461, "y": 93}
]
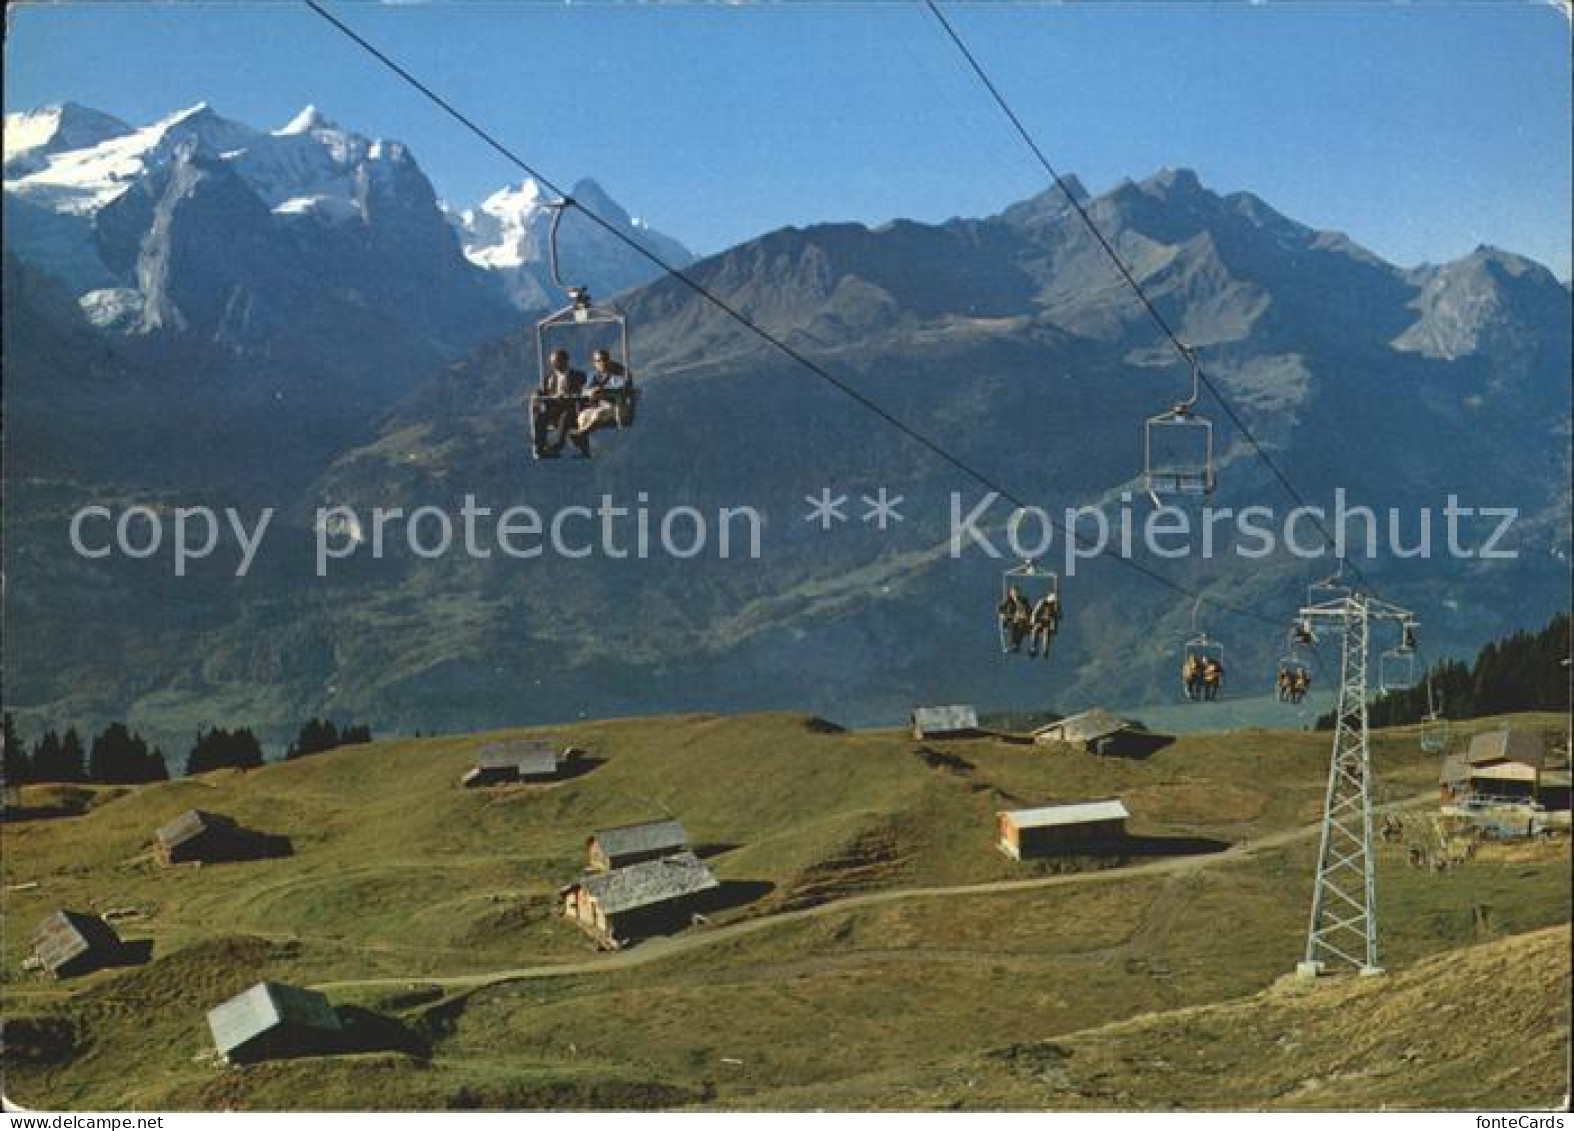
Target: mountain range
[{"x": 294, "y": 318}]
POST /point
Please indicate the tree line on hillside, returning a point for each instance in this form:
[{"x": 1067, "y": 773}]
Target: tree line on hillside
[
  {"x": 120, "y": 756},
  {"x": 1523, "y": 672}
]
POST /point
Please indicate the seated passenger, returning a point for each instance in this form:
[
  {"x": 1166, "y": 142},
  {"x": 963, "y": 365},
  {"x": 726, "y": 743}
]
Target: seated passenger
[
  {"x": 1044, "y": 623},
  {"x": 554, "y": 404},
  {"x": 1302, "y": 682},
  {"x": 610, "y": 387},
  {"x": 1212, "y": 678},
  {"x": 1191, "y": 676},
  {"x": 1014, "y": 618}
]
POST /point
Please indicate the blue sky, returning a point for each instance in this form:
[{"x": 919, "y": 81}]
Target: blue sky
[{"x": 1422, "y": 130}]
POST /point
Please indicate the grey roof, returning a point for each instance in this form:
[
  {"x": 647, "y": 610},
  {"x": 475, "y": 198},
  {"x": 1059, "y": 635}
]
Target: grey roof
[
  {"x": 265, "y": 1006},
  {"x": 1508, "y": 746},
  {"x": 1080, "y": 813},
  {"x": 67, "y": 935},
  {"x": 190, "y": 824},
  {"x": 650, "y": 883},
  {"x": 1456, "y": 769},
  {"x": 522, "y": 755},
  {"x": 1085, "y": 727},
  {"x": 944, "y": 720},
  {"x": 650, "y": 836}
]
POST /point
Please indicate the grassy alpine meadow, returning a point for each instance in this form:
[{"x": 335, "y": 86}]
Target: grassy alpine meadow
[{"x": 872, "y": 949}]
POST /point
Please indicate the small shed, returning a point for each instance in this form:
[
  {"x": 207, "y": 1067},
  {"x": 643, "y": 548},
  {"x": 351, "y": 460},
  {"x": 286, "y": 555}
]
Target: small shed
[
  {"x": 517, "y": 760},
  {"x": 1056, "y": 829},
  {"x": 960, "y": 721},
  {"x": 620, "y": 906},
  {"x": 69, "y": 943},
  {"x": 273, "y": 1020},
  {"x": 213, "y": 838},
  {"x": 630, "y": 844},
  {"x": 1095, "y": 730}
]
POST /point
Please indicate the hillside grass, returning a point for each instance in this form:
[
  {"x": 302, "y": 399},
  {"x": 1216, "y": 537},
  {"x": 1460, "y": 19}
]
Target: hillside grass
[{"x": 399, "y": 874}]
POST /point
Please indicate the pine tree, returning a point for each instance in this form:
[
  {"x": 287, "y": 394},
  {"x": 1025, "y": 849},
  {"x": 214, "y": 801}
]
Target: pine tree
[
  {"x": 120, "y": 757},
  {"x": 319, "y": 735},
  {"x": 219, "y": 749},
  {"x": 18, "y": 767},
  {"x": 57, "y": 759},
  {"x": 1522, "y": 672}
]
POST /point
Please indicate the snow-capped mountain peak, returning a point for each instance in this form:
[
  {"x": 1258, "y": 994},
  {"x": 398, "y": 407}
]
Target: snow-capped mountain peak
[
  {"x": 82, "y": 180},
  {"x": 309, "y": 120},
  {"x": 508, "y": 234},
  {"x": 508, "y": 228},
  {"x": 32, "y": 136},
  {"x": 310, "y": 171}
]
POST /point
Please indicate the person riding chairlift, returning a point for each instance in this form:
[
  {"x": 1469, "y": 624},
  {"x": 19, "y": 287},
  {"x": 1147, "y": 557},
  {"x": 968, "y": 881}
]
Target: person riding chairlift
[
  {"x": 554, "y": 405},
  {"x": 1044, "y": 623},
  {"x": 1014, "y": 617},
  {"x": 1212, "y": 678},
  {"x": 611, "y": 385}
]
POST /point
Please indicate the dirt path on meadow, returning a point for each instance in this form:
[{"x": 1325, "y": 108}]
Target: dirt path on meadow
[{"x": 654, "y": 950}]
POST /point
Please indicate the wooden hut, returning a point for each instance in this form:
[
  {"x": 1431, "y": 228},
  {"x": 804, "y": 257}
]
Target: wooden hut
[
  {"x": 517, "y": 760},
  {"x": 960, "y": 721},
  {"x": 620, "y": 906},
  {"x": 1095, "y": 731},
  {"x": 1052, "y": 830},
  {"x": 630, "y": 844},
  {"x": 1515, "y": 766},
  {"x": 213, "y": 838},
  {"x": 273, "y": 1020},
  {"x": 69, "y": 943}
]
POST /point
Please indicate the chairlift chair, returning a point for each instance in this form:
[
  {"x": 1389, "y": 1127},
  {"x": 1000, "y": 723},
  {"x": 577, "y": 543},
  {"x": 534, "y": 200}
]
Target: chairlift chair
[
  {"x": 1202, "y": 648},
  {"x": 1329, "y": 589},
  {"x": 1177, "y": 447},
  {"x": 1178, "y": 454},
  {"x": 1435, "y": 729},
  {"x": 1033, "y": 583},
  {"x": 1297, "y": 654},
  {"x": 1396, "y": 667},
  {"x": 583, "y": 327}
]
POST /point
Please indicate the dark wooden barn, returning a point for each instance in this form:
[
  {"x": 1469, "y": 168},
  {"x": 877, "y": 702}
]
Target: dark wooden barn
[
  {"x": 213, "y": 838},
  {"x": 518, "y": 760},
  {"x": 69, "y": 943},
  {"x": 273, "y": 1020},
  {"x": 621, "y": 906},
  {"x": 960, "y": 721},
  {"x": 630, "y": 844}
]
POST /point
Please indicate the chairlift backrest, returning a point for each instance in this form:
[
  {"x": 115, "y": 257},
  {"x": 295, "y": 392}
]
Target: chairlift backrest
[
  {"x": 1396, "y": 669},
  {"x": 1178, "y": 454}
]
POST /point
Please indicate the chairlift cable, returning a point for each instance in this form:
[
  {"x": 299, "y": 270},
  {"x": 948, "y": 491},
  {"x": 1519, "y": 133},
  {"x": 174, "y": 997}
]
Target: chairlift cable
[
  {"x": 743, "y": 320},
  {"x": 1186, "y": 352}
]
